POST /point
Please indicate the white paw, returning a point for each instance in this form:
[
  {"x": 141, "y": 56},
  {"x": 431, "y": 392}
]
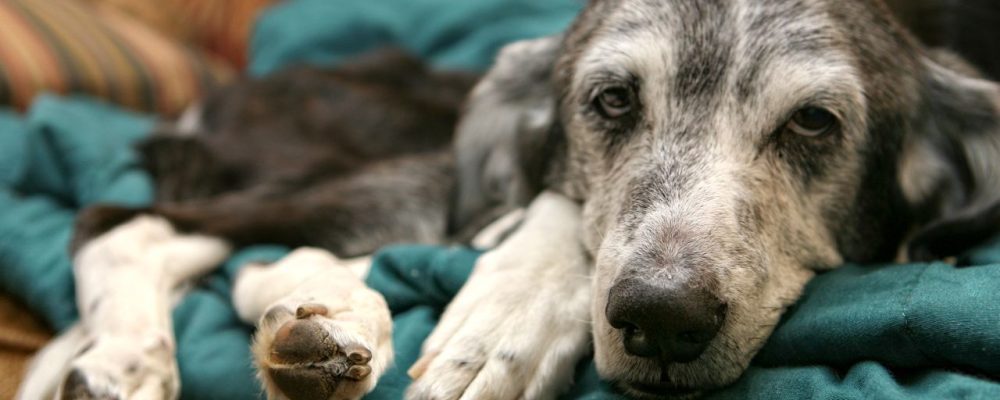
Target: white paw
[
  {"x": 328, "y": 337},
  {"x": 506, "y": 336},
  {"x": 521, "y": 323},
  {"x": 123, "y": 367},
  {"x": 125, "y": 280}
]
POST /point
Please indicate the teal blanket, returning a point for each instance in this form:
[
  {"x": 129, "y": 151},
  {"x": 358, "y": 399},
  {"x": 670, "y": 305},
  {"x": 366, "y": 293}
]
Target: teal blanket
[{"x": 889, "y": 332}]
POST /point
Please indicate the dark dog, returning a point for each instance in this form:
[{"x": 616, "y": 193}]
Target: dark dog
[{"x": 348, "y": 160}]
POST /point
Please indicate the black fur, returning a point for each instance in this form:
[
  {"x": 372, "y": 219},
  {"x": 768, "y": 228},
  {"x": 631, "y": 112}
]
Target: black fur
[{"x": 349, "y": 159}]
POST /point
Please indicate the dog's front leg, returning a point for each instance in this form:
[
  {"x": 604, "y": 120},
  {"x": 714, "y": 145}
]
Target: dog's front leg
[
  {"x": 125, "y": 280},
  {"x": 321, "y": 333},
  {"x": 519, "y": 326}
]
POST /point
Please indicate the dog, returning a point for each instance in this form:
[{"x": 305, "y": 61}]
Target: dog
[
  {"x": 346, "y": 160},
  {"x": 716, "y": 156},
  {"x": 697, "y": 163}
]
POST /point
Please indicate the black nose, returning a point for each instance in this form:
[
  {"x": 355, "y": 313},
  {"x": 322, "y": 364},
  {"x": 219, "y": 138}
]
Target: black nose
[{"x": 668, "y": 321}]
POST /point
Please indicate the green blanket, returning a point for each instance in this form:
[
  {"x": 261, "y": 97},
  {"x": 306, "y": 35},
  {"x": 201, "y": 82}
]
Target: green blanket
[{"x": 915, "y": 331}]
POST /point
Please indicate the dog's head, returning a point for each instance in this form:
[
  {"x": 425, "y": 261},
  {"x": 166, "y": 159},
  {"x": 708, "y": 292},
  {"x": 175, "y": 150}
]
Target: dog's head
[{"x": 724, "y": 151}]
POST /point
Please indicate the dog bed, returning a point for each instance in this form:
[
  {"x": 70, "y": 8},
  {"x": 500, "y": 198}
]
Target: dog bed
[{"x": 876, "y": 331}]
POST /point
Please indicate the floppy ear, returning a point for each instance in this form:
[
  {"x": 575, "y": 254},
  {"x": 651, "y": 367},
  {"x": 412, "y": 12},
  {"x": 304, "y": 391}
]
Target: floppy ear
[
  {"x": 950, "y": 171},
  {"x": 507, "y": 129}
]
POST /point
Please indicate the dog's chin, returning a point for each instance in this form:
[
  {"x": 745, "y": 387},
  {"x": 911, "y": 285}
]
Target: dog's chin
[{"x": 641, "y": 388}]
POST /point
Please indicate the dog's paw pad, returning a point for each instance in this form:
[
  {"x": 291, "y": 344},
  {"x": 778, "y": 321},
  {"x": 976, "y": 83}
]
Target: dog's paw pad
[
  {"x": 302, "y": 342},
  {"x": 311, "y": 358},
  {"x": 303, "y": 383}
]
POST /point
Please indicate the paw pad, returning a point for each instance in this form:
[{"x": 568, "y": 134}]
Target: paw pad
[
  {"x": 303, "y": 383},
  {"x": 307, "y": 362},
  {"x": 302, "y": 342}
]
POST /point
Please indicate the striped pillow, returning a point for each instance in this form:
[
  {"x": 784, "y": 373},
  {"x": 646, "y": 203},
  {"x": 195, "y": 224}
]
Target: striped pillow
[
  {"x": 221, "y": 27},
  {"x": 69, "y": 46}
]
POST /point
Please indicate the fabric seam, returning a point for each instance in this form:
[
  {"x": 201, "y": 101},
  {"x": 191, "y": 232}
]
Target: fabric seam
[{"x": 908, "y": 331}]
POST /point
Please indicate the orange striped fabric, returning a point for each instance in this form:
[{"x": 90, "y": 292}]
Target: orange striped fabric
[
  {"x": 222, "y": 27},
  {"x": 70, "y": 46}
]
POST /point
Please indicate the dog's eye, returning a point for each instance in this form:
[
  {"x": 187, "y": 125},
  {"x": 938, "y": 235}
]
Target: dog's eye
[
  {"x": 614, "y": 102},
  {"x": 812, "y": 121}
]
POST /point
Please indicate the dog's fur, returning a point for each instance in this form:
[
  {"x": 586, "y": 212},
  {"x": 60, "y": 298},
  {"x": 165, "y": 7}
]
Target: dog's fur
[
  {"x": 703, "y": 182},
  {"x": 349, "y": 160},
  {"x": 123, "y": 346},
  {"x": 313, "y": 295}
]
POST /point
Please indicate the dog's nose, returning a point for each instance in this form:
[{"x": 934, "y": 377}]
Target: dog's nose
[{"x": 666, "y": 321}]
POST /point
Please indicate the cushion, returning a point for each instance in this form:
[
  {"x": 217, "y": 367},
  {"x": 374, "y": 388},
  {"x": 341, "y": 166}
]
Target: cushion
[
  {"x": 69, "y": 46},
  {"x": 221, "y": 27}
]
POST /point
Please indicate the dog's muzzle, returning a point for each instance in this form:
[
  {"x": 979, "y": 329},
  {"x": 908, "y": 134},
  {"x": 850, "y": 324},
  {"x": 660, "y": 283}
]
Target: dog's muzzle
[{"x": 664, "y": 319}]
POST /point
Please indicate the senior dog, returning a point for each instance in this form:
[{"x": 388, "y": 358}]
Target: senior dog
[
  {"x": 717, "y": 154},
  {"x": 698, "y": 163}
]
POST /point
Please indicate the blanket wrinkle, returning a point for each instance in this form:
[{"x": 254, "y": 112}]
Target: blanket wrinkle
[{"x": 908, "y": 330}]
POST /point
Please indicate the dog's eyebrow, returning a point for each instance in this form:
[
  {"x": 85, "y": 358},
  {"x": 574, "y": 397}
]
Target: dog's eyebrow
[
  {"x": 591, "y": 79},
  {"x": 616, "y": 56},
  {"x": 604, "y": 78},
  {"x": 782, "y": 82},
  {"x": 607, "y": 76}
]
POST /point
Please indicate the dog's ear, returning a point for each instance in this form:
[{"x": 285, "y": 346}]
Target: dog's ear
[
  {"x": 505, "y": 132},
  {"x": 950, "y": 169}
]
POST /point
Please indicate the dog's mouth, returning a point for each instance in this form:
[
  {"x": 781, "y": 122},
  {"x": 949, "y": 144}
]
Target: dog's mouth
[{"x": 658, "y": 390}]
